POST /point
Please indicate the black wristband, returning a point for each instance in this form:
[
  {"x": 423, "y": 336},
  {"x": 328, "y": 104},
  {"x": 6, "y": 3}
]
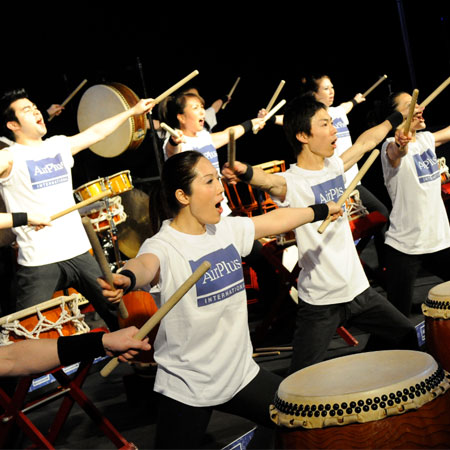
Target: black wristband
[
  {"x": 224, "y": 99},
  {"x": 80, "y": 347},
  {"x": 247, "y": 175},
  {"x": 272, "y": 120},
  {"x": 172, "y": 143},
  {"x": 395, "y": 119},
  {"x": 248, "y": 126},
  {"x": 321, "y": 211},
  {"x": 131, "y": 276},
  {"x": 354, "y": 102},
  {"x": 19, "y": 219}
]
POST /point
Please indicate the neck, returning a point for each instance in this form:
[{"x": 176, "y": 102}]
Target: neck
[
  {"x": 309, "y": 160},
  {"x": 186, "y": 223},
  {"x": 29, "y": 141}
]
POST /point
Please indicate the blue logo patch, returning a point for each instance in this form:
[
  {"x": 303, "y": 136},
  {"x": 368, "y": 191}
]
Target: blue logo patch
[
  {"x": 47, "y": 172},
  {"x": 224, "y": 279},
  {"x": 330, "y": 190},
  {"x": 427, "y": 166},
  {"x": 341, "y": 127}
]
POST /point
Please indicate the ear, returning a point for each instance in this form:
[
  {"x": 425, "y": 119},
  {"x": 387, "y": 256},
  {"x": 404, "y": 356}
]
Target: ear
[
  {"x": 182, "y": 197},
  {"x": 302, "y": 137},
  {"x": 13, "y": 125},
  {"x": 181, "y": 119}
]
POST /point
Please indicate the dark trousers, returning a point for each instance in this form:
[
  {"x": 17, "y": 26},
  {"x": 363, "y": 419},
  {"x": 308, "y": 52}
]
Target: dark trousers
[
  {"x": 402, "y": 270},
  {"x": 182, "y": 426},
  {"x": 38, "y": 284},
  {"x": 369, "y": 311}
]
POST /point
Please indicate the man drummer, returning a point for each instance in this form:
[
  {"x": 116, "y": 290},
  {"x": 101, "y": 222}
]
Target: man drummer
[
  {"x": 35, "y": 176},
  {"x": 333, "y": 288}
]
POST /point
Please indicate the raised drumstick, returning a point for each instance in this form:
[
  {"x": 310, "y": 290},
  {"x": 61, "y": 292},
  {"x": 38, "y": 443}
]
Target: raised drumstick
[
  {"x": 412, "y": 106},
  {"x": 101, "y": 259},
  {"x": 169, "y": 129},
  {"x": 231, "y": 149},
  {"x": 435, "y": 93},
  {"x": 161, "y": 312},
  {"x": 67, "y": 100},
  {"x": 82, "y": 204},
  {"x": 275, "y": 95},
  {"x": 351, "y": 187},
  {"x": 231, "y": 91},
  {"x": 270, "y": 114},
  {"x": 176, "y": 86},
  {"x": 380, "y": 80}
]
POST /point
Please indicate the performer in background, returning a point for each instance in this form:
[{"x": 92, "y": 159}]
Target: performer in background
[
  {"x": 202, "y": 348},
  {"x": 419, "y": 232},
  {"x": 36, "y": 177}
]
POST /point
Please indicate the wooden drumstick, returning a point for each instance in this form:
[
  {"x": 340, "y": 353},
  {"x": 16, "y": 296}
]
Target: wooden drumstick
[
  {"x": 435, "y": 93},
  {"x": 275, "y": 95},
  {"x": 101, "y": 259},
  {"x": 169, "y": 129},
  {"x": 412, "y": 106},
  {"x": 231, "y": 91},
  {"x": 176, "y": 86},
  {"x": 231, "y": 149},
  {"x": 67, "y": 100},
  {"x": 351, "y": 187},
  {"x": 270, "y": 114},
  {"x": 380, "y": 80},
  {"x": 82, "y": 204},
  {"x": 161, "y": 312}
]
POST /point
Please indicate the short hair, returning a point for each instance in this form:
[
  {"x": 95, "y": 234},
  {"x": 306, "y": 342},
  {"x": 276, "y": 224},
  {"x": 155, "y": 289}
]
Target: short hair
[
  {"x": 7, "y": 113},
  {"x": 297, "y": 119},
  {"x": 310, "y": 83}
]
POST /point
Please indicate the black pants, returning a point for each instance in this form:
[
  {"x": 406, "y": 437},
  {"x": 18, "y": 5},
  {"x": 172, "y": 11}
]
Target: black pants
[
  {"x": 38, "y": 284},
  {"x": 402, "y": 270},
  {"x": 182, "y": 426},
  {"x": 369, "y": 311}
]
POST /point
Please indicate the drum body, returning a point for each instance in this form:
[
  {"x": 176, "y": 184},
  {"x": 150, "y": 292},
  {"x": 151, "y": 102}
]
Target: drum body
[
  {"x": 386, "y": 399},
  {"x": 90, "y": 189},
  {"x": 436, "y": 311},
  {"x": 100, "y": 218},
  {"x": 119, "y": 182},
  {"x": 59, "y": 316},
  {"x": 102, "y": 101}
]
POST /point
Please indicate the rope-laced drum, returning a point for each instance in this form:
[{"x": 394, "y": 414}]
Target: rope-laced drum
[{"x": 364, "y": 401}]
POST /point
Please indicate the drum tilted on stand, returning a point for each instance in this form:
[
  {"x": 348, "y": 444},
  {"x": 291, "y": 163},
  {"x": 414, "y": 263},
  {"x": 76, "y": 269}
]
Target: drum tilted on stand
[
  {"x": 436, "y": 311},
  {"x": 385, "y": 399}
]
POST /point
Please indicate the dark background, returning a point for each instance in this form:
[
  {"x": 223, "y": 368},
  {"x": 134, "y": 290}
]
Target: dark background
[{"x": 150, "y": 47}]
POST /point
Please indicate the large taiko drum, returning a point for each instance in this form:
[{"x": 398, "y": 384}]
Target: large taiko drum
[
  {"x": 436, "y": 311},
  {"x": 56, "y": 317},
  {"x": 102, "y": 101},
  {"x": 387, "y": 399}
]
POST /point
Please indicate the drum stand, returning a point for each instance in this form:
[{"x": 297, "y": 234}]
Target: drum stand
[
  {"x": 110, "y": 241},
  {"x": 16, "y": 407}
]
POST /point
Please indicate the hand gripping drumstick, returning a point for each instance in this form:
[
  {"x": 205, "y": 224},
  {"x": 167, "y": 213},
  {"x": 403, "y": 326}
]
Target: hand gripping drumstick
[
  {"x": 271, "y": 113},
  {"x": 161, "y": 312},
  {"x": 176, "y": 86},
  {"x": 231, "y": 149},
  {"x": 67, "y": 100},
  {"x": 410, "y": 113},
  {"x": 101, "y": 259},
  {"x": 170, "y": 130},
  {"x": 351, "y": 187},
  {"x": 231, "y": 91},
  {"x": 380, "y": 80},
  {"x": 435, "y": 93},
  {"x": 275, "y": 95},
  {"x": 82, "y": 204}
]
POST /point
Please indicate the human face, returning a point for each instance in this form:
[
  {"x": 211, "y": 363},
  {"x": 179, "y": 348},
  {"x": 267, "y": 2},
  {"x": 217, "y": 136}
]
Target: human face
[
  {"x": 403, "y": 101},
  {"x": 193, "y": 118},
  {"x": 325, "y": 91},
  {"x": 30, "y": 123},
  {"x": 206, "y": 194}
]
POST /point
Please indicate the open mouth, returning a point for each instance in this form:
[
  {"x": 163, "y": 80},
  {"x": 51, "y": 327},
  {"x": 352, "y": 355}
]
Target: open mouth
[{"x": 219, "y": 207}]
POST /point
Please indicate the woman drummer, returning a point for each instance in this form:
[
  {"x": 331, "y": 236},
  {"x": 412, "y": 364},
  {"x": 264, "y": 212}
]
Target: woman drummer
[
  {"x": 203, "y": 347},
  {"x": 419, "y": 232}
]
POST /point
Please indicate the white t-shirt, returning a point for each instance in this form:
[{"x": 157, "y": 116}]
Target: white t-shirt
[
  {"x": 41, "y": 181},
  {"x": 203, "y": 346},
  {"x": 331, "y": 271},
  {"x": 344, "y": 140},
  {"x": 418, "y": 222}
]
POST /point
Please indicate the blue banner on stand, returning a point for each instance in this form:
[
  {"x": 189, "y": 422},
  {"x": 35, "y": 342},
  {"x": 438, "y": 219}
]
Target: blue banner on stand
[{"x": 242, "y": 442}]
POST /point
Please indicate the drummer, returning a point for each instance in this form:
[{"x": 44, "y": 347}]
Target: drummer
[
  {"x": 333, "y": 288},
  {"x": 38, "y": 179}
]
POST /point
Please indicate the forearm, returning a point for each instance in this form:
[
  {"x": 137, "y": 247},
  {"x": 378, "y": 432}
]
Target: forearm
[
  {"x": 144, "y": 268},
  {"x": 442, "y": 136},
  {"x": 222, "y": 138},
  {"x": 274, "y": 185}
]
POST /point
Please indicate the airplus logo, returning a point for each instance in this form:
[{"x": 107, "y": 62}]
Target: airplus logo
[
  {"x": 328, "y": 191},
  {"x": 224, "y": 278},
  {"x": 47, "y": 172},
  {"x": 427, "y": 166},
  {"x": 341, "y": 127}
]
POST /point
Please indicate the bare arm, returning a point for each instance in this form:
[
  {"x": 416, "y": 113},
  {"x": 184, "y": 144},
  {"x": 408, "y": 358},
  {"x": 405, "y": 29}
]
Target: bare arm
[
  {"x": 348, "y": 106},
  {"x": 442, "y": 136},
  {"x": 6, "y": 163},
  {"x": 102, "y": 129},
  {"x": 221, "y": 138},
  {"x": 35, "y": 219}
]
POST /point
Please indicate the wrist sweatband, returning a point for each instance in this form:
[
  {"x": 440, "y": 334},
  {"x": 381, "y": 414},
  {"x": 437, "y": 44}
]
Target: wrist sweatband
[
  {"x": 395, "y": 119},
  {"x": 171, "y": 142},
  {"x": 272, "y": 120},
  {"x": 19, "y": 219},
  {"x": 80, "y": 347},
  {"x": 321, "y": 211},
  {"x": 354, "y": 102},
  {"x": 131, "y": 276},
  {"x": 224, "y": 99},
  {"x": 248, "y": 126},
  {"x": 247, "y": 175}
]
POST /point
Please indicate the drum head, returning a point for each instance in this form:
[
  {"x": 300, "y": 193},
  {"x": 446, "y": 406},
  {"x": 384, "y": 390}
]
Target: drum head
[{"x": 100, "y": 102}]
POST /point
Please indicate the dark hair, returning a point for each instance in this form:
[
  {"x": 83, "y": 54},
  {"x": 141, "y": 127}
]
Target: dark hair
[
  {"x": 310, "y": 83},
  {"x": 7, "y": 113},
  {"x": 297, "y": 119},
  {"x": 171, "y": 106},
  {"x": 177, "y": 173}
]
